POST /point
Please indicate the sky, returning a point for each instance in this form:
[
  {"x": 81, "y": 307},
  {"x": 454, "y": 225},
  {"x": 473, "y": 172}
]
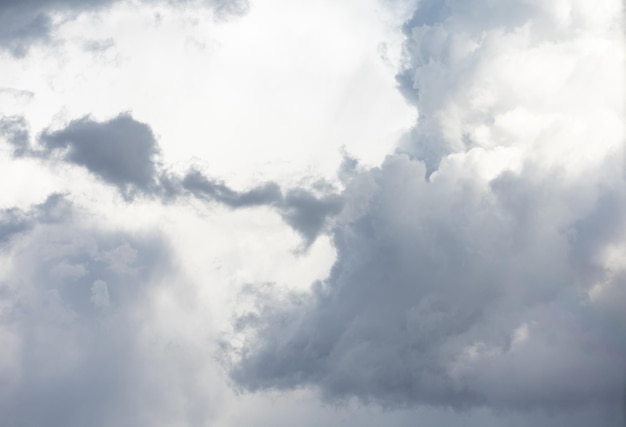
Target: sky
[{"x": 301, "y": 213}]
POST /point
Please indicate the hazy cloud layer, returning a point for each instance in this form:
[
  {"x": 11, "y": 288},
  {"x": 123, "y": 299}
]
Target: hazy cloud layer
[
  {"x": 80, "y": 340},
  {"x": 24, "y": 22},
  {"x": 485, "y": 265}
]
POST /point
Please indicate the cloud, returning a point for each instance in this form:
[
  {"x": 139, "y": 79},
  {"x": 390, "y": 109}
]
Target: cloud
[
  {"x": 121, "y": 151},
  {"x": 474, "y": 267},
  {"x": 479, "y": 66},
  {"x": 20, "y": 29},
  {"x": 303, "y": 210},
  {"x": 80, "y": 328},
  {"x": 100, "y": 294},
  {"x": 457, "y": 300},
  {"x": 201, "y": 186},
  {"x": 481, "y": 267},
  {"x": 23, "y": 23},
  {"x": 124, "y": 152},
  {"x": 15, "y": 130},
  {"x": 307, "y": 213},
  {"x": 98, "y": 45},
  {"x": 15, "y": 221}
]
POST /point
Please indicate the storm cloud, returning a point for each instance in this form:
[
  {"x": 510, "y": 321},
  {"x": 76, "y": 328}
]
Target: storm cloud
[
  {"x": 307, "y": 213},
  {"x": 482, "y": 264}
]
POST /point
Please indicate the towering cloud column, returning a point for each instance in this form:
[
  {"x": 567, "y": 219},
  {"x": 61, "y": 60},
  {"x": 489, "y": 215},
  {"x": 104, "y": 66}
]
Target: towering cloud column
[{"x": 484, "y": 263}]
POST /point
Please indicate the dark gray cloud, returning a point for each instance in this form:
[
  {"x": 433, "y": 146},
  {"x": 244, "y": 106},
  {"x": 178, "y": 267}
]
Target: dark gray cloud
[
  {"x": 81, "y": 344},
  {"x": 303, "y": 210},
  {"x": 24, "y": 22},
  {"x": 121, "y": 151},
  {"x": 307, "y": 213},
  {"x": 205, "y": 188},
  {"x": 12, "y": 221},
  {"x": 124, "y": 152},
  {"x": 19, "y": 30},
  {"x": 15, "y": 131},
  {"x": 15, "y": 221}
]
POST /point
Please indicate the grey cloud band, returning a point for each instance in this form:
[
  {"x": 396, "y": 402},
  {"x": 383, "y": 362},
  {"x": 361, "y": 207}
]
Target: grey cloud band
[{"x": 124, "y": 153}]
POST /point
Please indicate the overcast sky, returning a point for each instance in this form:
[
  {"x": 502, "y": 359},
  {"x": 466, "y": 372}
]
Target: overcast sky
[{"x": 240, "y": 213}]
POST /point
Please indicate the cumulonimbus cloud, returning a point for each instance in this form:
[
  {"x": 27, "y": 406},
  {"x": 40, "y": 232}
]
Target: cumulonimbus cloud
[{"x": 483, "y": 263}]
